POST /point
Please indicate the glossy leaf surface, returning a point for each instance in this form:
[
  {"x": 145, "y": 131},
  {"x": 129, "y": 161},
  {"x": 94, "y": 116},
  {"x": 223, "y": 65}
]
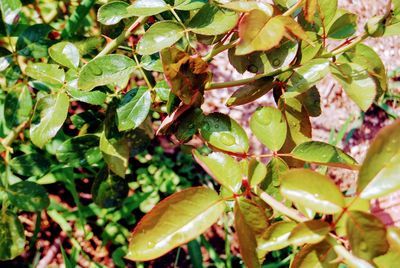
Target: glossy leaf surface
[
  {"x": 309, "y": 232},
  {"x": 50, "y": 114},
  {"x": 269, "y": 126},
  {"x": 133, "y": 108},
  {"x": 173, "y": 222},
  {"x": 66, "y": 54},
  {"x": 378, "y": 174},
  {"x": 113, "y": 12},
  {"x": 105, "y": 70},
  {"x": 276, "y": 236},
  {"x": 223, "y": 168},
  {"x": 324, "y": 154},
  {"x": 147, "y": 8},
  {"x": 317, "y": 255},
  {"x": 312, "y": 190},
  {"x": 224, "y": 133},
  {"x": 250, "y": 92},
  {"x": 48, "y": 73}
]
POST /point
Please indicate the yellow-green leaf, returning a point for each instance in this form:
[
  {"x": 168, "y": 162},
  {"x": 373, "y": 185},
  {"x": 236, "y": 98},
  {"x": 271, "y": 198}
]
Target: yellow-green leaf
[
  {"x": 276, "y": 237},
  {"x": 146, "y": 7},
  {"x": 317, "y": 255},
  {"x": 174, "y": 221},
  {"x": 12, "y": 237},
  {"x": 309, "y": 232},
  {"x": 379, "y": 173},
  {"x": 66, "y": 54},
  {"x": 312, "y": 190}
]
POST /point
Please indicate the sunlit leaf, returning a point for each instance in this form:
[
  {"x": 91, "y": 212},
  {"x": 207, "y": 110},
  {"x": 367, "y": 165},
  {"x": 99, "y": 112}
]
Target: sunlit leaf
[
  {"x": 105, "y": 70},
  {"x": 276, "y": 237},
  {"x": 367, "y": 235},
  {"x": 50, "y": 114},
  {"x": 113, "y": 12},
  {"x": 173, "y": 222},
  {"x": 317, "y": 255},
  {"x": 250, "y": 92},
  {"x": 379, "y": 173},
  {"x": 48, "y": 73},
  {"x": 269, "y": 126},
  {"x": 160, "y": 35},
  {"x": 146, "y": 7},
  {"x": 66, "y": 54},
  {"x": 312, "y": 190},
  {"x": 257, "y": 172},
  {"x": 223, "y": 168},
  {"x": 224, "y": 133},
  {"x": 343, "y": 27},
  {"x": 309, "y": 232},
  {"x": 189, "y": 4},
  {"x": 10, "y": 10},
  {"x": 249, "y": 6},
  {"x": 323, "y": 154}
]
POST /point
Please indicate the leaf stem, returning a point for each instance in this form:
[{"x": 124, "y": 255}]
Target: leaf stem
[
  {"x": 293, "y": 8},
  {"x": 110, "y": 47},
  {"x": 216, "y": 50},
  {"x": 240, "y": 82},
  {"x": 13, "y": 135},
  {"x": 342, "y": 49},
  {"x": 146, "y": 79},
  {"x": 180, "y": 22},
  {"x": 278, "y": 206}
]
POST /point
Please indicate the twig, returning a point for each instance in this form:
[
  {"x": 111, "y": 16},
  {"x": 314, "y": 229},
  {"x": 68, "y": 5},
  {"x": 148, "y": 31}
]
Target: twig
[{"x": 52, "y": 252}]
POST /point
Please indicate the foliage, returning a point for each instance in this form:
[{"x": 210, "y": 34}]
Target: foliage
[{"x": 74, "y": 109}]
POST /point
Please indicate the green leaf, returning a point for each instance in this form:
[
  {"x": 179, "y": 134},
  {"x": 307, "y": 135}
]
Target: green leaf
[
  {"x": 12, "y": 237},
  {"x": 28, "y": 196},
  {"x": 275, "y": 167},
  {"x": 105, "y": 70},
  {"x": 189, "y": 4},
  {"x": 223, "y": 168},
  {"x": 357, "y": 83},
  {"x": 317, "y": 255},
  {"x": 213, "y": 20},
  {"x": 387, "y": 260},
  {"x": 224, "y": 133},
  {"x": 17, "y": 105},
  {"x": 309, "y": 232},
  {"x": 5, "y": 59},
  {"x": 249, "y": 6},
  {"x": 276, "y": 237},
  {"x": 379, "y": 172},
  {"x": 160, "y": 35},
  {"x": 49, "y": 116},
  {"x": 32, "y": 164},
  {"x": 311, "y": 101},
  {"x": 10, "y": 10},
  {"x": 312, "y": 190},
  {"x": 112, "y": 13},
  {"x": 366, "y": 57},
  {"x": 367, "y": 235},
  {"x": 133, "y": 108},
  {"x": 109, "y": 190},
  {"x": 47, "y": 73},
  {"x": 34, "y": 41},
  {"x": 94, "y": 97},
  {"x": 254, "y": 215},
  {"x": 147, "y": 8},
  {"x": 116, "y": 154},
  {"x": 310, "y": 50},
  {"x": 66, "y": 54},
  {"x": 188, "y": 124},
  {"x": 250, "y": 92},
  {"x": 185, "y": 215},
  {"x": 343, "y": 27},
  {"x": 269, "y": 126},
  {"x": 246, "y": 238},
  {"x": 323, "y": 154},
  {"x": 152, "y": 63},
  {"x": 306, "y": 76},
  {"x": 259, "y": 32},
  {"x": 80, "y": 151},
  {"x": 257, "y": 172}
]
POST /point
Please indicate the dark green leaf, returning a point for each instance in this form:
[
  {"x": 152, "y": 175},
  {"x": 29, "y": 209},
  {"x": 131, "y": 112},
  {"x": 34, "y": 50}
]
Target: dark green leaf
[
  {"x": 34, "y": 42},
  {"x": 12, "y": 237},
  {"x": 112, "y": 13},
  {"x": 222, "y": 132},
  {"x": 133, "y": 108},
  {"x": 269, "y": 126},
  {"x": 223, "y": 168},
  {"x": 367, "y": 235},
  {"x": 80, "y": 151},
  {"x": 312, "y": 190},
  {"x": 28, "y": 196},
  {"x": 17, "y": 105},
  {"x": 213, "y": 20},
  {"x": 160, "y": 35},
  {"x": 33, "y": 164},
  {"x": 250, "y": 92},
  {"x": 311, "y": 101},
  {"x": 380, "y": 169},
  {"x": 323, "y": 154},
  {"x": 66, "y": 54},
  {"x": 105, "y": 70},
  {"x": 185, "y": 215},
  {"x": 343, "y": 27},
  {"x": 50, "y": 114},
  {"x": 109, "y": 190}
]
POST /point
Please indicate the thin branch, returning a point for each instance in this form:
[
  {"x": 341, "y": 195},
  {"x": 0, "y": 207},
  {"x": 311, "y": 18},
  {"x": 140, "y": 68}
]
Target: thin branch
[
  {"x": 110, "y": 47},
  {"x": 293, "y": 8},
  {"x": 278, "y": 206}
]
